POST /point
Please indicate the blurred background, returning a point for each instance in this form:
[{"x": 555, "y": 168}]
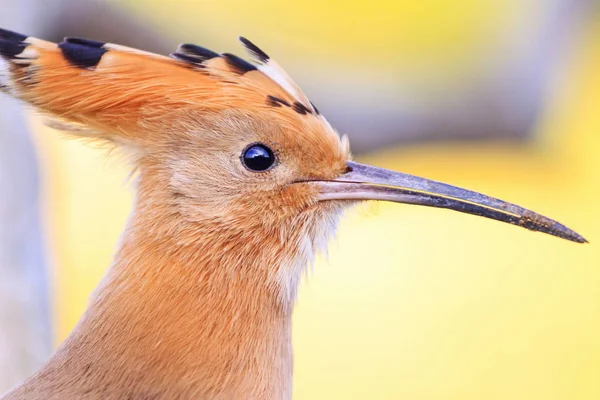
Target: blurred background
[{"x": 499, "y": 96}]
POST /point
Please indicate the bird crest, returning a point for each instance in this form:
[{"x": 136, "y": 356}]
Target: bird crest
[{"x": 95, "y": 89}]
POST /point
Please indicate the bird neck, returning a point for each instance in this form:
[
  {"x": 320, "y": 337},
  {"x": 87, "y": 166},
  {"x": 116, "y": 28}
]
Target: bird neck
[{"x": 186, "y": 311}]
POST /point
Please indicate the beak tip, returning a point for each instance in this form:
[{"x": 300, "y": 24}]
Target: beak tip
[{"x": 575, "y": 237}]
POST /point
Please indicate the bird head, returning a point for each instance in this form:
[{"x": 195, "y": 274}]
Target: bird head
[{"x": 225, "y": 142}]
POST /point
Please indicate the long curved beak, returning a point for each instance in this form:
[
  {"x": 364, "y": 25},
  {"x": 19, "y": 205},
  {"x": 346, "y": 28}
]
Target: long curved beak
[{"x": 364, "y": 182}]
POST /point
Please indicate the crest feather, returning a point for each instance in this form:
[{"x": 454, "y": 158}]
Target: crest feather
[
  {"x": 108, "y": 91},
  {"x": 270, "y": 68}
]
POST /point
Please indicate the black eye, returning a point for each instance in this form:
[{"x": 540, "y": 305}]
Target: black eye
[{"x": 258, "y": 157}]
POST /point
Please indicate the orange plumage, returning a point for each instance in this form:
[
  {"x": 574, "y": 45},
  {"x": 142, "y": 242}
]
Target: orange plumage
[{"x": 240, "y": 181}]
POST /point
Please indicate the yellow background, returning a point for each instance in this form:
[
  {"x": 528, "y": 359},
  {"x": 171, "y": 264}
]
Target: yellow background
[{"x": 414, "y": 303}]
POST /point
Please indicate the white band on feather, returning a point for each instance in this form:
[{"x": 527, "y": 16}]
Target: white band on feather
[{"x": 5, "y": 78}]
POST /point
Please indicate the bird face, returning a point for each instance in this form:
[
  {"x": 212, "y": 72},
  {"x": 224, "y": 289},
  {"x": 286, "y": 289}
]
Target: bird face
[{"x": 248, "y": 166}]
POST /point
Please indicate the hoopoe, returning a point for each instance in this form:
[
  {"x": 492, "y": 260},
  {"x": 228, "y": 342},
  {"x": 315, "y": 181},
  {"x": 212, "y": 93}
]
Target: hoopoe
[{"x": 240, "y": 181}]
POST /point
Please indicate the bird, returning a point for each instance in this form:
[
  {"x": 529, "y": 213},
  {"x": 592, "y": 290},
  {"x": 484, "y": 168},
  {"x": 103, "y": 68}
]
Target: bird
[{"x": 239, "y": 180}]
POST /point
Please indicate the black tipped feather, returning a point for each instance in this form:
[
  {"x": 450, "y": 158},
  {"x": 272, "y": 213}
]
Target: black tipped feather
[
  {"x": 11, "y": 36},
  {"x": 81, "y": 56},
  {"x": 11, "y": 49},
  {"x": 194, "y": 50},
  {"x": 315, "y": 108},
  {"x": 301, "y": 108},
  {"x": 197, "y": 61},
  {"x": 255, "y": 50},
  {"x": 276, "y": 101},
  {"x": 84, "y": 42},
  {"x": 241, "y": 65}
]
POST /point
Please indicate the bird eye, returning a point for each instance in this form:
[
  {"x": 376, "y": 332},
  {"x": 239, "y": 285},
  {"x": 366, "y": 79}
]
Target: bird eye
[{"x": 258, "y": 157}]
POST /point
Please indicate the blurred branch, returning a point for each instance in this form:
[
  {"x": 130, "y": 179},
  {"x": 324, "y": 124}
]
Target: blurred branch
[{"x": 25, "y": 334}]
